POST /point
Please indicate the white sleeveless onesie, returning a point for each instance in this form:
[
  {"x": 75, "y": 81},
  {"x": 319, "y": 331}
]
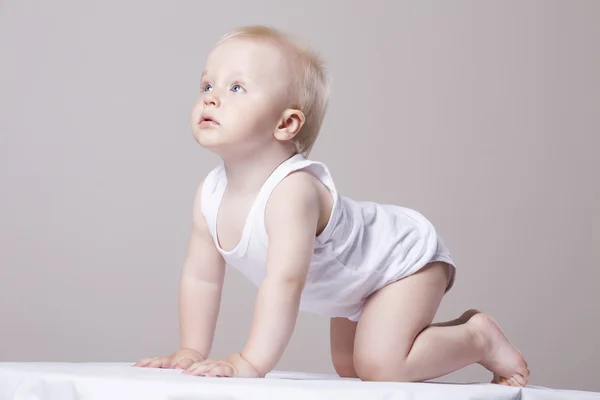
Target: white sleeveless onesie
[{"x": 364, "y": 246}]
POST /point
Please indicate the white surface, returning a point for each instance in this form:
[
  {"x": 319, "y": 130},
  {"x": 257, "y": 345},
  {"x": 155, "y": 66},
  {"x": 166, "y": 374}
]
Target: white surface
[{"x": 120, "y": 381}]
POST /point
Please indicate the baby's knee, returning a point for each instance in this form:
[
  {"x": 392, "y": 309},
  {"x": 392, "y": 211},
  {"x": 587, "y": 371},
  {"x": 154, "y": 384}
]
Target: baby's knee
[
  {"x": 378, "y": 369},
  {"x": 345, "y": 370},
  {"x": 344, "y": 365}
]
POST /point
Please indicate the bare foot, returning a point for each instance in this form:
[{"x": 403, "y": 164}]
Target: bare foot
[
  {"x": 499, "y": 354},
  {"x": 467, "y": 315}
]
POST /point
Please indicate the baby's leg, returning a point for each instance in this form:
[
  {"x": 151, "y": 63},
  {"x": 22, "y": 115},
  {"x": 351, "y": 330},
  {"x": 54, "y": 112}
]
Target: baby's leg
[
  {"x": 342, "y": 332},
  {"x": 395, "y": 342}
]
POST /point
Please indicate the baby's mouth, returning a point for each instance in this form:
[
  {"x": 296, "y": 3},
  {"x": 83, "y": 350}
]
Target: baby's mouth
[{"x": 206, "y": 121}]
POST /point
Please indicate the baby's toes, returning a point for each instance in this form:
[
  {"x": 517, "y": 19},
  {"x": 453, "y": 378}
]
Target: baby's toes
[{"x": 521, "y": 380}]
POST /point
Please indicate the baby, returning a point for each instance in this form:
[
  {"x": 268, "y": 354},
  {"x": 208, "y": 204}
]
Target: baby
[{"x": 379, "y": 272}]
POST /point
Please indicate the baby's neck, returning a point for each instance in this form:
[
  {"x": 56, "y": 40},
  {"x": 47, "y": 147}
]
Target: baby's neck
[{"x": 247, "y": 175}]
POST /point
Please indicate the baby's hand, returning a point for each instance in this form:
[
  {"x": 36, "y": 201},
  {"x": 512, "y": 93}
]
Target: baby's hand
[
  {"x": 181, "y": 359},
  {"x": 232, "y": 366}
]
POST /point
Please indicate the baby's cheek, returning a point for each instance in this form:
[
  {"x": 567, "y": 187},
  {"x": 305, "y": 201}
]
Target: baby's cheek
[
  {"x": 251, "y": 120},
  {"x": 195, "y": 114}
]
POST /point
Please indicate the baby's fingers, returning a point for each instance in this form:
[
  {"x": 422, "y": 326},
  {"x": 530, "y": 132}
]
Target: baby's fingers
[
  {"x": 149, "y": 362},
  {"x": 143, "y": 363},
  {"x": 160, "y": 362},
  {"x": 221, "y": 370},
  {"x": 184, "y": 363},
  {"x": 200, "y": 368}
]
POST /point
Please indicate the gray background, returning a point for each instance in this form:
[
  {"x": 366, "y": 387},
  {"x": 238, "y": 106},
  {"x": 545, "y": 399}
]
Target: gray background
[{"x": 482, "y": 115}]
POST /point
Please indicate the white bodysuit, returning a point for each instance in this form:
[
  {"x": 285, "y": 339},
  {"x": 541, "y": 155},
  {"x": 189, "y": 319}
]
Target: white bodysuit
[{"x": 364, "y": 246}]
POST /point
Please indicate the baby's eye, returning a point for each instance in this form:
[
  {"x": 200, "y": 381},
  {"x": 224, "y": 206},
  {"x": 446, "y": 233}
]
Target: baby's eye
[
  {"x": 237, "y": 88},
  {"x": 206, "y": 87}
]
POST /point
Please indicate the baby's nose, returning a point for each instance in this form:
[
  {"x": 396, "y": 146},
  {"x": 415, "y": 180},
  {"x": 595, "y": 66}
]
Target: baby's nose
[{"x": 212, "y": 100}]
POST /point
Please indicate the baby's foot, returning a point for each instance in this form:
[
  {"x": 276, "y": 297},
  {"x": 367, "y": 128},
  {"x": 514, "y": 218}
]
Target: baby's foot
[
  {"x": 500, "y": 356},
  {"x": 463, "y": 319},
  {"x": 467, "y": 315}
]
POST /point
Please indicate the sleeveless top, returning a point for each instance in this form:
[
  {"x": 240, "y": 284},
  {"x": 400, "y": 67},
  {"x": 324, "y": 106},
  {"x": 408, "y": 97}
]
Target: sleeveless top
[{"x": 364, "y": 246}]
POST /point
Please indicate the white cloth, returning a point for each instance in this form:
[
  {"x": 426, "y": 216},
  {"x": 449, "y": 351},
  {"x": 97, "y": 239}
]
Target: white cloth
[
  {"x": 120, "y": 381},
  {"x": 364, "y": 247}
]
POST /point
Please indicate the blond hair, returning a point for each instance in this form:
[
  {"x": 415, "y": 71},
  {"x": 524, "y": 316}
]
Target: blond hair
[{"x": 310, "y": 92}]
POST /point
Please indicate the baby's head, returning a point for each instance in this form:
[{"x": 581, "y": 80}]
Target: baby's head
[{"x": 260, "y": 89}]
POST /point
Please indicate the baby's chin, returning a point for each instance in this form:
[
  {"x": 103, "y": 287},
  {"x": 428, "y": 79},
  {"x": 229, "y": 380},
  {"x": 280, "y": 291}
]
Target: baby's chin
[
  {"x": 210, "y": 139},
  {"x": 206, "y": 137}
]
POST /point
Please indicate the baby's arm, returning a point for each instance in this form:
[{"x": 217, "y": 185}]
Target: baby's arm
[
  {"x": 200, "y": 286},
  {"x": 200, "y": 290},
  {"x": 291, "y": 221}
]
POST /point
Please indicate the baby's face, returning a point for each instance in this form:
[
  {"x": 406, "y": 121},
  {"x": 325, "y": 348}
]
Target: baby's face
[{"x": 244, "y": 90}]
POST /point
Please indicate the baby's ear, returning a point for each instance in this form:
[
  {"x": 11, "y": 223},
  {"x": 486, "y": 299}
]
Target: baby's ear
[{"x": 290, "y": 124}]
